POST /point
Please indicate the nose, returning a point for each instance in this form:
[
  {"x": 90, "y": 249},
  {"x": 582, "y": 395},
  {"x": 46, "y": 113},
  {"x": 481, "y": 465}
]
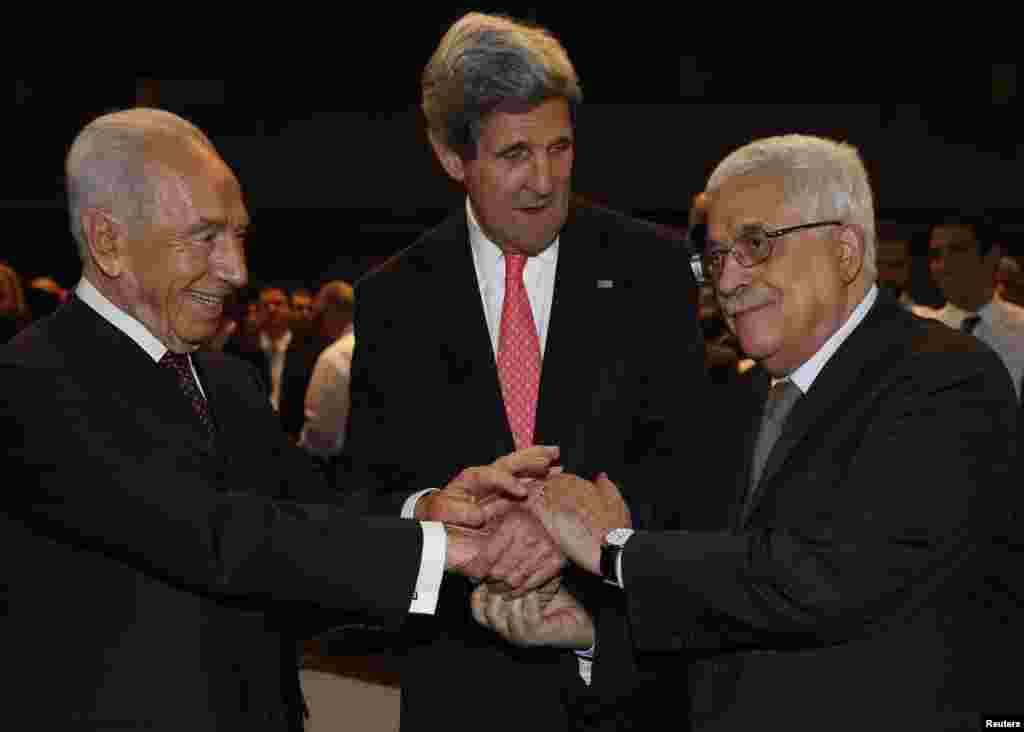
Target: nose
[
  {"x": 542, "y": 181},
  {"x": 229, "y": 261},
  {"x": 732, "y": 276}
]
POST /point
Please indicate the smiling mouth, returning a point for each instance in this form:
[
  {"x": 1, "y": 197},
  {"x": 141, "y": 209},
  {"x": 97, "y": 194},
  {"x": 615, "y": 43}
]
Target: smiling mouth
[{"x": 208, "y": 300}]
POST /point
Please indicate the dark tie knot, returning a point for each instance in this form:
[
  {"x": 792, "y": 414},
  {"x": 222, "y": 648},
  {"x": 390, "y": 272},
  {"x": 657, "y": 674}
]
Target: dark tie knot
[
  {"x": 781, "y": 399},
  {"x": 176, "y": 361}
]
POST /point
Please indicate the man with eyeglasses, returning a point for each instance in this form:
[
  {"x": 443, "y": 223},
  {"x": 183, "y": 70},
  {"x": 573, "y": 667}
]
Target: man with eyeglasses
[
  {"x": 964, "y": 257},
  {"x": 859, "y": 584}
]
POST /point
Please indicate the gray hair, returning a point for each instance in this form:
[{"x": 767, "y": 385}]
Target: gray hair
[
  {"x": 825, "y": 178},
  {"x": 112, "y": 162},
  {"x": 484, "y": 61}
]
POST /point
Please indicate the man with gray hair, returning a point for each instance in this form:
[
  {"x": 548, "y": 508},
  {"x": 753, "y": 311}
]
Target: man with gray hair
[
  {"x": 537, "y": 319},
  {"x": 864, "y": 580},
  {"x": 165, "y": 545}
]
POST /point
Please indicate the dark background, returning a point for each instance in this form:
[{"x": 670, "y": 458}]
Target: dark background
[{"x": 338, "y": 173}]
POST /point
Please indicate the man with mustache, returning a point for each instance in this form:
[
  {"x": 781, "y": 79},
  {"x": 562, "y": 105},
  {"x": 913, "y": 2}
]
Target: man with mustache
[
  {"x": 164, "y": 546},
  {"x": 864, "y": 580},
  {"x": 523, "y": 318}
]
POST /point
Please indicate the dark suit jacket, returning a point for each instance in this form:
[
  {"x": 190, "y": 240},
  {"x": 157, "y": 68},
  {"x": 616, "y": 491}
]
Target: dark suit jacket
[
  {"x": 149, "y": 580},
  {"x": 426, "y": 400},
  {"x": 866, "y": 588}
]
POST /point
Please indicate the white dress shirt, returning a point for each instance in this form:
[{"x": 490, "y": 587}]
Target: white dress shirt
[
  {"x": 538, "y": 277},
  {"x": 328, "y": 398},
  {"x": 435, "y": 541},
  {"x": 274, "y": 351},
  {"x": 1001, "y": 328}
]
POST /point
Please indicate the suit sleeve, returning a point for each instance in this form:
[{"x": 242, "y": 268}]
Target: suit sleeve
[
  {"x": 181, "y": 519},
  {"x": 922, "y": 478}
]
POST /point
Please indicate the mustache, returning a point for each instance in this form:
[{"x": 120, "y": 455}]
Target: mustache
[{"x": 745, "y": 298}]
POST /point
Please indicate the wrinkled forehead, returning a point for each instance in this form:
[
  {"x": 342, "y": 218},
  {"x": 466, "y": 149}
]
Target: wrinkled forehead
[
  {"x": 746, "y": 206},
  {"x": 195, "y": 181}
]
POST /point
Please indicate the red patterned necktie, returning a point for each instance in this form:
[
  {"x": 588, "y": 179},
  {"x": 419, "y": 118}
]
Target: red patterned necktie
[
  {"x": 518, "y": 354},
  {"x": 179, "y": 365}
]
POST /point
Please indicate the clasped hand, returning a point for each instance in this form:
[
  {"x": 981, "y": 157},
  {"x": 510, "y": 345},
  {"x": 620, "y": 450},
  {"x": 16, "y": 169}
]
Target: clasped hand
[{"x": 513, "y": 524}]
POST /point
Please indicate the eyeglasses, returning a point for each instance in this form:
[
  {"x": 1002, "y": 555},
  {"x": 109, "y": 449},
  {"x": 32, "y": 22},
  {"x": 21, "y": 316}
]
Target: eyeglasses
[{"x": 753, "y": 246}]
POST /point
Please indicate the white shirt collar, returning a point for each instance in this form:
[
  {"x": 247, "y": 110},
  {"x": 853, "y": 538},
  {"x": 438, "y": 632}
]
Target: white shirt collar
[
  {"x": 121, "y": 320},
  {"x": 488, "y": 253},
  {"x": 804, "y": 376},
  {"x": 278, "y": 346}
]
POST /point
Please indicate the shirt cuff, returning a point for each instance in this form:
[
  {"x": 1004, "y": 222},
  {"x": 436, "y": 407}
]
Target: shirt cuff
[
  {"x": 428, "y": 582},
  {"x": 586, "y": 668},
  {"x": 409, "y": 507}
]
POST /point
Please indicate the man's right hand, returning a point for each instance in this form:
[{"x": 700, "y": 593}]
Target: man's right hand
[
  {"x": 463, "y": 502},
  {"x": 579, "y": 514}
]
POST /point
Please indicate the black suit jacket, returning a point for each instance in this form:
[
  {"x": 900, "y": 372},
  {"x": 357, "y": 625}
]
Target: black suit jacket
[
  {"x": 622, "y": 350},
  {"x": 868, "y": 586},
  {"x": 148, "y": 579}
]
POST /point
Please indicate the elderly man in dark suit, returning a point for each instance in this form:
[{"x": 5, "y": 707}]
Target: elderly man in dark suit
[
  {"x": 862, "y": 581},
  {"x": 163, "y": 544},
  {"x": 523, "y": 318}
]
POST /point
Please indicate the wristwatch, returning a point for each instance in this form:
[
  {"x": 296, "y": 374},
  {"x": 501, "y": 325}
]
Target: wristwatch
[{"x": 610, "y": 551}]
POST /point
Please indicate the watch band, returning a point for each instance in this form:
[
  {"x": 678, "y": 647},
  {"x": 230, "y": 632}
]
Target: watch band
[{"x": 611, "y": 551}]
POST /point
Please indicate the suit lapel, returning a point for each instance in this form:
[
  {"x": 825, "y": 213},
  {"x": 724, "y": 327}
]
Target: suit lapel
[
  {"x": 466, "y": 344},
  {"x": 569, "y": 354},
  {"x": 859, "y": 358},
  {"x": 151, "y": 392},
  {"x": 748, "y": 411}
]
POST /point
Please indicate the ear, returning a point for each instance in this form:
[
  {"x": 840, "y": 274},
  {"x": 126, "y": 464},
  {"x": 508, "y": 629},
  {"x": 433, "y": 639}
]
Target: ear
[
  {"x": 852, "y": 248},
  {"x": 449, "y": 159},
  {"x": 105, "y": 239}
]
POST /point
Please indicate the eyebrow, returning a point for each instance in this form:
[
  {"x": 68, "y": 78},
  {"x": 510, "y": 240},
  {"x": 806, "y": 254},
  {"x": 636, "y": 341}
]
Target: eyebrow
[
  {"x": 514, "y": 146},
  {"x": 206, "y": 224}
]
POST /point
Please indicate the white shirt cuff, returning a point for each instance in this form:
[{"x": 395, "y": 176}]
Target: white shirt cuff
[
  {"x": 409, "y": 507},
  {"x": 586, "y": 668},
  {"x": 428, "y": 582}
]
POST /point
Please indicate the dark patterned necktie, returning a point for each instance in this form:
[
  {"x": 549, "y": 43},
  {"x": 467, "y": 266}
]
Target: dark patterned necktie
[{"x": 179, "y": 365}]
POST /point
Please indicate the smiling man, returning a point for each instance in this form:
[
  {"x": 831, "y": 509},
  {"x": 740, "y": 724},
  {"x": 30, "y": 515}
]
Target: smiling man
[
  {"x": 538, "y": 320},
  {"x": 165, "y": 542},
  {"x": 864, "y": 580}
]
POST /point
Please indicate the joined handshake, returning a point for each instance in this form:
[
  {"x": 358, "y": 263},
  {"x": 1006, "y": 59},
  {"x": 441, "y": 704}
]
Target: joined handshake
[{"x": 514, "y": 525}]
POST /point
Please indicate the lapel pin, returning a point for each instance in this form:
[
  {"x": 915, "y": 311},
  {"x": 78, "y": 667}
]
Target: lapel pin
[{"x": 605, "y": 284}]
